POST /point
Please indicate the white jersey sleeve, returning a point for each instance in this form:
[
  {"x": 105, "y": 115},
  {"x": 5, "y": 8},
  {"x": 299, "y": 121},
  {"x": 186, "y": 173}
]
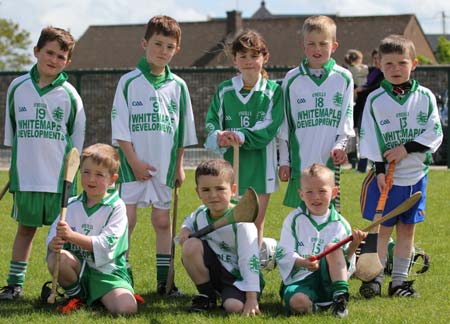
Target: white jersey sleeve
[
  {"x": 286, "y": 248},
  {"x": 248, "y": 257}
]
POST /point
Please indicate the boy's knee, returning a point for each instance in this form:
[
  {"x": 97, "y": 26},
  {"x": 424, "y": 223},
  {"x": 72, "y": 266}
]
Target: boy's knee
[
  {"x": 123, "y": 308},
  {"x": 232, "y": 305},
  {"x": 301, "y": 304},
  {"x": 192, "y": 246}
]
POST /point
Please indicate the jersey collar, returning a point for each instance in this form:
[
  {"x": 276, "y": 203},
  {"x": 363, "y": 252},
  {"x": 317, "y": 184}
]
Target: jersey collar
[
  {"x": 328, "y": 66},
  {"x": 59, "y": 80},
  {"x": 146, "y": 70},
  {"x": 386, "y": 85},
  {"x": 109, "y": 200},
  {"x": 334, "y": 216}
]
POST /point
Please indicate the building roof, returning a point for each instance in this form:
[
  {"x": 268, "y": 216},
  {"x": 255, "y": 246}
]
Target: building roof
[
  {"x": 118, "y": 46},
  {"x": 433, "y": 39}
]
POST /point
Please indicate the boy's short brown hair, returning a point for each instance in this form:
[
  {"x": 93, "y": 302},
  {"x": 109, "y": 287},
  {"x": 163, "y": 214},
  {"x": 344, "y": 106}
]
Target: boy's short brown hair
[
  {"x": 320, "y": 171},
  {"x": 164, "y": 25},
  {"x": 321, "y": 24},
  {"x": 63, "y": 37},
  {"x": 104, "y": 155},
  {"x": 215, "y": 167},
  {"x": 397, "y": 44}
]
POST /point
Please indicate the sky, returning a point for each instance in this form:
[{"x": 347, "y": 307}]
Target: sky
[{"x": 78, "y": 15}]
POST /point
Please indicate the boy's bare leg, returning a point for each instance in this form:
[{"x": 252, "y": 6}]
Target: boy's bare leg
[
  {"x": 192, "y": 255},
  {"x": 337, "y": 265},
  {"x": 405, "y": 240},
  {"x": 23, "y": 243},
  {"x": 259, "y": 221},
  {"x": 120, "y": 301},
  {"x": 161, "y": 224},
  {"x": 69, "y": 267},
  {"x": 132, "y": 219}
]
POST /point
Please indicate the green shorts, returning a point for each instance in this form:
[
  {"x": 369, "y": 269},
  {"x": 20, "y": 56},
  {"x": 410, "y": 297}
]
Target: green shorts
[
  {"x": 35, "y": 209},
  {"x": 317, "y": 286},
  {"x": 97, "y": 284}
]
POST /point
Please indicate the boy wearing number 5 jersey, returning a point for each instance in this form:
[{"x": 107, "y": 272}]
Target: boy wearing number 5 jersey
[
  {"x": 44, "y": 120},
  {"x": 318, "y": 108}
]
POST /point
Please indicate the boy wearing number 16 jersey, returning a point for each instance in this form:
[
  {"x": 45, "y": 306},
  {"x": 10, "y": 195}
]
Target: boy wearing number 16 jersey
[
  {"x": 44, "y": 120},
  {"x": 318, "y": 108}
]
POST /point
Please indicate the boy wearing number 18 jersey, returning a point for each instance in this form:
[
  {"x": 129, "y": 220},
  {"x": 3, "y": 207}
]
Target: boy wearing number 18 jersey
[
  {"x": 44, "y": 120},
  {"x": 318, "y": 108}
]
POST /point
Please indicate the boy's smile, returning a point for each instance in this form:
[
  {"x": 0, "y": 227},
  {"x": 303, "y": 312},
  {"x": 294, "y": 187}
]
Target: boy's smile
[
  {"x": 215, "y": 192},
  {"x": 317, "y": 194},
  {"x": 318, "y": 47}
]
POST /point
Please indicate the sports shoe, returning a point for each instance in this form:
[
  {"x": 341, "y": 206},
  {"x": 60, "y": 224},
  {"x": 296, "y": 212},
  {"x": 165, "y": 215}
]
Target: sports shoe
[
  {"x": 340, "y": 305},
  {"x": 174, "y": 292},
  {"x": 11, "y": 292},
  {"x": 201, "y": 303},
  {"x": 404, "y": 290},
  {"x": 69, "y": 305},
  {"x": 267, "y": 254},
  {"x": 370, "y": 289}
]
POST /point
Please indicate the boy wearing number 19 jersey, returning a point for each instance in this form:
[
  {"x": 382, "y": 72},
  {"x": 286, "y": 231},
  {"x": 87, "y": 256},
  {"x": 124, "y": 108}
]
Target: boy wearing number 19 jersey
[
  {"x": 318, "y": 108},
  {"x": 44, "y": 120}
]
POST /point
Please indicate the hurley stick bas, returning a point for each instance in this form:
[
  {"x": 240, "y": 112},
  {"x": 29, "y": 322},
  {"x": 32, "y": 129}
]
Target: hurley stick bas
[
  {"x": 369, "y": 265},
  {"x": 171, "y": 274},
  {"x": 245, "y": 211},
  {"x": 403, "y": 207},
  {"x": 71, "y": 164}
]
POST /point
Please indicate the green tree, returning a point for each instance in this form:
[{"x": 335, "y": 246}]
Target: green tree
[
  {"x": 443, "y": 50},
  {"x": 14, "y": 46}
]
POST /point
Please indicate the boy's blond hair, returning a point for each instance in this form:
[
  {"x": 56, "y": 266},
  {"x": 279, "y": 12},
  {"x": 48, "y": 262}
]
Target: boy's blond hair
[
  {"x": 104, "y": 155},
  {"x": 320, "y": 171},
  {"x": 397, "y": 44},
  {"x": 216, "y": 168},
  {"x": 321, "y": 24},
  {"x": 63, "y": 37},
  {"x": 164, "y": 25}
]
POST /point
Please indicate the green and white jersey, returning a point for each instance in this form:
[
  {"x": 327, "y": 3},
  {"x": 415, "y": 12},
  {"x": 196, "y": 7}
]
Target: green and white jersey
[
  {"x": 41, "y": 126},
  {"x": 258, "y": 117},
  {"x": 156, "y": 117},
  {"x": 302, "y": 236},
  {"x": 106, "y": 224},
  {"x": 317, "y": 110},
  {"x": 236, "y": 246},
  {"x": 389, "y": 121}
]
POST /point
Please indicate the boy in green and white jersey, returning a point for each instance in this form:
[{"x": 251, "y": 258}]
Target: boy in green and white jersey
[
  {"x": 248, "y": 110},
  {"x": 318, "y": 108},
  {"x": 44, "y": 120},
  {"x": 152, "y": 122},
  {"x": 226, "y": 261},
  {"x": 400, "y": 125},
  {"x": 93, "y": 239}
]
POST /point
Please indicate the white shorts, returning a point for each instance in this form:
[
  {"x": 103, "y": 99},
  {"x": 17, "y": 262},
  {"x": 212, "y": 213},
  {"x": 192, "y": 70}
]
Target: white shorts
[{"x": 145, "y": 193}]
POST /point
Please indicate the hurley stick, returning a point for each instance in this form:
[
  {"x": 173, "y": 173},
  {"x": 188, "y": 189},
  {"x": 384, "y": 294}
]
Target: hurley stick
[
  {"x": 236, "y": 167},
  {"x": 369, "y": 265},
  {"x": 71, "y": 165},
  {"x": 171, "y": 274},
  {"x": 403, "y": 207},
  {"x": 4, "y": 190},
  {"x": 337, "y": 181}
]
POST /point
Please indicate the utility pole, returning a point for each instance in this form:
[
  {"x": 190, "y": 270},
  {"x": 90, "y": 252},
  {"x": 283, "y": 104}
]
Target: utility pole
[{"x": 443, "y": 23}]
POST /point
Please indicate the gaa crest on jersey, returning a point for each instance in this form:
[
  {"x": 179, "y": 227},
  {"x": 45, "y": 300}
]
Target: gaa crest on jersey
[
  {"x": 172, "y": 107},
  {"x": 421, "y": 118},
  {"x": 58, "y": 114},
  {"x": 338, "y": 99},
  {"x": 438, "y": 129},
  {"x": 209, "y": 127},
  {"x": 224, "y": 246},
  {"x": 254, "y": 264},
  {"x": 114, "y": 113}
]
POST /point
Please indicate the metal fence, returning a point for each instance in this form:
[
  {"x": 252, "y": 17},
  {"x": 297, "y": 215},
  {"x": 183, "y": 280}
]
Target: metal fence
[{"x": 97, "y": 89}]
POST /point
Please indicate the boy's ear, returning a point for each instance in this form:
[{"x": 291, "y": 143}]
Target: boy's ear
[
  {"x": 334, "y": 46},
  {"x": 234, "y": 189},
  {"x": 114, "y": 177},
  {"x": 300, "y": 194},
  {"x": 415, "y": 62},
  {"x": 334, "y": 191},
  {"x": 143, "y": 43},
  {"x": 35, "y": 51}
]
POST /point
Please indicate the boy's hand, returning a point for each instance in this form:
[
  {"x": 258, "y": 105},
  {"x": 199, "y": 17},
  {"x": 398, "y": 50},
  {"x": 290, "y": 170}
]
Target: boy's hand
[
  {"x": 251, "y": 307},
  {"x": 381, "y": 181},
  {"x": 64, "y": 231},
  {"x": 184, "y": 235},
  {"x": 358, "y": 237},
  {"x": 339, "y": 156},
  {"x": 142, "y": 170},
  {"x": 284, "y": 172},
  {"x": 180, "y": 177},
  {"x": 227, "y": 138},
  {"x": 395, "y": 154},
  {"x": 56, "y": 244},
  {"x": 308, "y": 264}
]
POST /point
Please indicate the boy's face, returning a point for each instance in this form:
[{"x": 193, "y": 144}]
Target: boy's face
[
  {"x": 51, "y": 60},
  {"x": 318, "y": 47},
  {"x": 215, "y": 192},
  {"x": 397, "y": 67},
  {"x": 250, "y": 63},
  {"x": 95, "y": 180},
  {"x": 159, "y": 51},
  {"x": 317, "y": 193}
]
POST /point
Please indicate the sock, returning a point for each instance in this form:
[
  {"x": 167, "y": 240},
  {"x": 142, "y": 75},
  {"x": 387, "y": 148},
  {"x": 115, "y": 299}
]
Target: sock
[
  {"x": 17, "y": 271},
  {"x": 162, "y": 267},
  {"x": 339, "y": 287},
  {"x": 380, "y": 277},
  {"x": 208, "y": 290},
  {"x": 73, "y": 289},
  {"x": 399, "y": 270}
]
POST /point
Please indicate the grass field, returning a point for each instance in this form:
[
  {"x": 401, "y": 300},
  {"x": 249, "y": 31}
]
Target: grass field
[{"x": 432, "y": 235}]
